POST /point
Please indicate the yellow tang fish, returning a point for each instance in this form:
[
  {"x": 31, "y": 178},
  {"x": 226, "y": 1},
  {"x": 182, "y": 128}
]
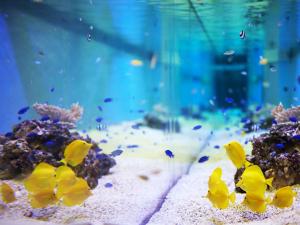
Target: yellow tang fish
[
  {"x": 77, "y": 193},
  {"x": 214, "y": 179},
  {"x": 7, "y": 193},
  {"x": 136, "y": 62},
  {"x": 256, "y": 202},
  {"x": 76, "y": 151},
  {"x": 42, "y": 177},
  {"x": 220, "y": 196},
  {"x": 284, "y": 197},
  {"x": 42, "y": 199},
  {"x": 236, "y": 153},
  {"x": 65, "y": 178},
  {"x": 253, "y": 180}
]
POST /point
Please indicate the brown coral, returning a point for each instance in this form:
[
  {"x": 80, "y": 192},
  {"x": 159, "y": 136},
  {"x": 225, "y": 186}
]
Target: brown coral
[{"x": 56, "y": 113}]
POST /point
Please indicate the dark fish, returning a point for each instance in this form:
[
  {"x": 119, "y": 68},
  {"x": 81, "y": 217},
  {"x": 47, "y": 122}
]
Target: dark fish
[
  {"x": 106, "y": 100},
  {"x": 45, "y": 118},
  {"x": 144, "y": 177},
  {"x": 52, "y": 89},
  {"x": 197, "y": 127},
  {"x": 169, "y": 153},
  {"x": 103, "y": 141},
  {"x": 285, "y": 88},
  {"x": 19, "y": 117},
  {"x": 100, "y": 108},
  {"x": 108, "y": 185},
  {"x": 23, "y": 110},
  {"x": 242, "y": 34},
  {"x": 293, "y": 119},
  {"x": 116, "y": 153},
  {"x": 203, "y": 159},
  {"x": 297, "y": 137},
  {"x": 132, "y": 146},
  {"x": 280, "y": 146},
  {"x": 55, "y": 120},
  {"x": 99, "y": 119},
  {"x": 229, "y": 100},
  {"x": 274, "y": 122},
  {"x": 217, "y": 146},
  {"x": 9, "y": 134},
  {"x": 141, "y": 111}
]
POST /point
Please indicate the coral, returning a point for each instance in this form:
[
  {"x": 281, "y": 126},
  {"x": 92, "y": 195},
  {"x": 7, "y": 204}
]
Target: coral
[
  {"x": 283, "y": 115},
  {"x": 277, "y": 153},
  {"x": 35, "y": 141},
  {"x": 56, "y": 113}
]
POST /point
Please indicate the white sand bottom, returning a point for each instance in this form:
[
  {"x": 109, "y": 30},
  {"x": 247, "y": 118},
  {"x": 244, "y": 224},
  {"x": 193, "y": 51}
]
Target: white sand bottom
[{"x": 141, "y": 177}]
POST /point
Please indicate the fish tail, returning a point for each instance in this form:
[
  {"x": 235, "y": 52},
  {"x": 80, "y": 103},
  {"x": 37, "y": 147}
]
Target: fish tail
[
  {"x": 269, "y": 181},
  {"x": 247, "y": 164},
  {"x": 232, "y": 197}
]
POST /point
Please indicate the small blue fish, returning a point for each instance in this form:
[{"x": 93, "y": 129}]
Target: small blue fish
[
  {"x": 258, "y": 108},
  {"x": 31, "y": 135},
  {"x": 274, "y": 122},
  {"x": 216, "y": 146},
  {"x": 52, "y": 89},
  {"x": 132, "y": 146},
  {"x": 50, "y": 144},
  {"x": 197, "y": 127},
  {"x": 23, "y": 110},
  {"x": 103, "y": 141},
  {"x": 19, "y": 117},
  {"x": 286, "y": 89},
  {"x": 99, "y": 119},
  {"x": 169, "y": 153},
  {"x": 293, "y": 119},
  {"x": 45, "y": 118},
  {"x": 279, "y": 146},
  {"x": 55, "y": 120},
  {"x": 297, "y": 137},
  {"x": 9, "y": 134},
  {"x": 106, "y": 100},
  {"x": 229, "y": 100},
  {"x": 203, "y": 159},
  {"x": 108, "y": 185},
  {"x": 141, "y": 111},
  {"x": 135, "y": 126},
  {"x": 100, "y": 108},
  {"x": 116, "y": 153}
]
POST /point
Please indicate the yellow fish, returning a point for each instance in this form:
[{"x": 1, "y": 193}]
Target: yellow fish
[
  {"x": 65, "y": 178},
  {"x": 263, "y": 61},
  {"x": 136, "y": 62},
  {"x": 42, "y": 177},
  {"x": 77, "y": 193},
  {"x": 76, "y": 151},
  {"x": 220, "y": 196},
  {"x": 8, "y": 194},
  {"x": 236, "y": 153},
  {"x": 284, "y": 197},
  {"x": 214, "y": 179},
  {"x": 256, "y": 202},
  {"x": 42, "y": 199},
  {"x": 253, "y": 180}
]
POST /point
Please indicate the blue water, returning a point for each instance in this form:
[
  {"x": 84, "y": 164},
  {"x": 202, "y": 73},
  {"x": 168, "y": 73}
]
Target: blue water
[{"x": 61, "y": 52}]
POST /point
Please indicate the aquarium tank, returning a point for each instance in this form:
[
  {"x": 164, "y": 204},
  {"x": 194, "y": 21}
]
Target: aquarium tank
[{"x": 149, "y": 112}]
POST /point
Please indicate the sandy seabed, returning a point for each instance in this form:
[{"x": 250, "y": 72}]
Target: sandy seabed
[{"x": 148, "y": 187}]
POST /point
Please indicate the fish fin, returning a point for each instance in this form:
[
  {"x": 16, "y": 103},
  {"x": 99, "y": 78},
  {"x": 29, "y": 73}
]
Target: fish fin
[
  {"x": 247, "y": 164},
  {"x": 232, "y": 197},
  {"x": 64, "y": 161},
  {"x": 269, "y": 181},
  {"x": 239, "y": 183},
  {"x": 269, "y": 201}
]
